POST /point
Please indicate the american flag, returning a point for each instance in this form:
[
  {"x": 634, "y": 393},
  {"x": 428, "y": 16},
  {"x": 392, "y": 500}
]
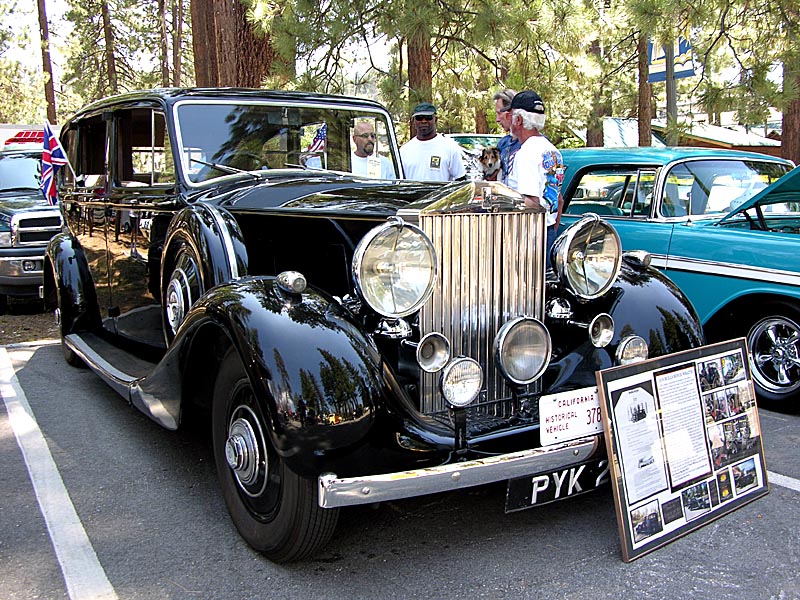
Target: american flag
[
  {"x": 53, "y": 158},
  {"x": 320, "y": 139}
]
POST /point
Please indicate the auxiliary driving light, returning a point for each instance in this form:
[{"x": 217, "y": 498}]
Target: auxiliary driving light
[
  {"x": 461, "y": 381},
  {"x": 631, "y": 349},
  {"x": 601, "y": 330},
  {"x": 433, "y": 352}
]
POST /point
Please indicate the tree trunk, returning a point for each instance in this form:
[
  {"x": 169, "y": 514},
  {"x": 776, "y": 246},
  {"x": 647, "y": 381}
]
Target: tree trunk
[
  {"x": 108, "y": 34},
  {"x": 227, "y": 50},
  {"x": 164, "y": 42},
  {"x": 481, "y": 122},
  {"x": 204, "y": 42},
  {"x": 47, "y": 66},
  {"x": 645, "y": 112},
  {"x": 600, "y": 106},
  {"x": 420, "y": 75},
  {"x": 790, "y": 130},
  {"x": 225, "y": 30},
  {"x": 254, "y": 54},
  {"x": 177, "y": 36}
]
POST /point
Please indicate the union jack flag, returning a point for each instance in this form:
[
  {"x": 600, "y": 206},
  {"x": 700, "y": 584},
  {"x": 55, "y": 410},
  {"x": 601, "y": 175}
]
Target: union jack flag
[
  {"x": 320, "y": 139},
  {"x": 53, "y": 158}
]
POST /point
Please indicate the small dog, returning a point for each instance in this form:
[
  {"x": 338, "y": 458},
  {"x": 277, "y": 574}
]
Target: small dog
[{"x": 490, "y": 163}]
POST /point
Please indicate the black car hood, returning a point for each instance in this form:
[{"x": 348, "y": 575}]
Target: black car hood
[
  {"x": 19, "y": 200},
  {"x": 329, "y": 193}
]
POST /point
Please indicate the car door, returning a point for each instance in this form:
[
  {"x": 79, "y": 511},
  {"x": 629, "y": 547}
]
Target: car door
[
  {"x": 143, "y": 182},
  {"x": 83, "y": 197}
]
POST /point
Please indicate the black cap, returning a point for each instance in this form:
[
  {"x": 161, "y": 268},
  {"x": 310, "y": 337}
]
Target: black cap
[
  {"x": 424, "y": 108},
  {"x": 529, "y": 101}
]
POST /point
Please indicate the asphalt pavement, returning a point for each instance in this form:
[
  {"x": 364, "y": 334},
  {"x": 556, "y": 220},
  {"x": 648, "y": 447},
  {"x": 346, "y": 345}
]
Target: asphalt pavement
[{"x": 97, "y": 501}]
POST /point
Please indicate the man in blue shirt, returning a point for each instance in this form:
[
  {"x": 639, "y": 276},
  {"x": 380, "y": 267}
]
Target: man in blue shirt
[{"x": 508, "y": 144}]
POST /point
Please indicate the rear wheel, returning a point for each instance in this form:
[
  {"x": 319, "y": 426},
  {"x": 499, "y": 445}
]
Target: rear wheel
[
  {"x": 184, "y": 287},
  {"x": 774, "y": 344},
  {"x": 3, "y": 304},
  {"x": 275, "y": 510}
]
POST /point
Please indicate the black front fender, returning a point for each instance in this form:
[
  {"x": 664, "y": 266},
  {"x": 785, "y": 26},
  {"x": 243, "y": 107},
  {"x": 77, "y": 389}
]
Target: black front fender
[{"x": 319, "y": 377}]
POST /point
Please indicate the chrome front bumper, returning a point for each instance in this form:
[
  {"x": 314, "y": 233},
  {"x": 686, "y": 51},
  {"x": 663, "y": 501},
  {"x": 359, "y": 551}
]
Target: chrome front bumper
[{"x": 335, "y": 492}]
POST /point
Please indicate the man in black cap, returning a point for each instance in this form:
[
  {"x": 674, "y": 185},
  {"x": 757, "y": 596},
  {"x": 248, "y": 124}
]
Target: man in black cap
[
  {"x": 430, "y": 156},
  {"x": 537, "y": 169}
]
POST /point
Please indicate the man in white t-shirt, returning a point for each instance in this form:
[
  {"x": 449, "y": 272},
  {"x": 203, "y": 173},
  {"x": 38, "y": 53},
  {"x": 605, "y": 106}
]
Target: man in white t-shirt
[
  {"x": 430, "y": 156},
  {"x": 363, "y": 159},
  {"x": 537, "y": 169}
]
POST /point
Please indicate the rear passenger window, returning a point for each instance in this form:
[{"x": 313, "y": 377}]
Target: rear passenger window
[
  {"x": 144, "y": 152},
  {"x": 613, "y": 192}
]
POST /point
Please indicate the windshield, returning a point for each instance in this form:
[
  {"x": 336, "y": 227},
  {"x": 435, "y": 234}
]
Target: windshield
[
  {"x": 716, "y": 186},
  {"x": 19, "y": 171},
  {"x": 218, "y": 139}
]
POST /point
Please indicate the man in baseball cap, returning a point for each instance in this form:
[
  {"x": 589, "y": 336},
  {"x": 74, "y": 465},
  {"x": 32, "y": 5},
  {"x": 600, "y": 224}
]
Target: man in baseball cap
[
  {"x": 538, "y": 169},
  {"x": 529, "y": 101},
  {"x": 430, "y": 156}
]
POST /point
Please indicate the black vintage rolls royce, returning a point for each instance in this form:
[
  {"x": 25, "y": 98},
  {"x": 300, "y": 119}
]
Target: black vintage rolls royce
[{"x": 352, "y": 339}]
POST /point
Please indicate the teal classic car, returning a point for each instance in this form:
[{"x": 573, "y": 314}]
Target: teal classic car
[{"x": 723, "y": 226}]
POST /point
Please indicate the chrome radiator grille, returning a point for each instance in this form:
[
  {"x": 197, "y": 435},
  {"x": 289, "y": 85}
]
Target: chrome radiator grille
[
  {"x": 35, "y": 228},
  {"x": 491, "y": 269}
]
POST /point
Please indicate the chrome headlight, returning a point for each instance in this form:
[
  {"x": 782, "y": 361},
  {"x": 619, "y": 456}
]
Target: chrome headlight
[
  {"x": 461, "y": 381},
  {"x": 523, "y": 349},
  {"x": 394, "y": 267},
  {"x": 587, "y": 257},
  {"x": 631, "y": 349}
]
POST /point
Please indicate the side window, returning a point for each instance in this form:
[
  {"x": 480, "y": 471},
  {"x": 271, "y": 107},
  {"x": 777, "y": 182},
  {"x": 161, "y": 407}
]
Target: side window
[
  {"x": 143, "y": 149},
  {"x": 87, "y": 151},
  {"x": 606, "y": 193}
]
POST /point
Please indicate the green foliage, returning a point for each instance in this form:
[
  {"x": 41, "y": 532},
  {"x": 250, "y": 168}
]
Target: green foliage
[{"x": 579, "y": 55}]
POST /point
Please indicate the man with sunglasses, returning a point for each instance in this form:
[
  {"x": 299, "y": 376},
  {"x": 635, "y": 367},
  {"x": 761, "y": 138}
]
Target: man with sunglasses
[
  {"x": 363, "y": 159},
  {"x": 508, "y": 144},
  {"x": 430, "y": 156}
]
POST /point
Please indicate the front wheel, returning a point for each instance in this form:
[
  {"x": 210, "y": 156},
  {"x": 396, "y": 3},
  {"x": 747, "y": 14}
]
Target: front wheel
[
  {"x": 774, "y": 345},
  {"x": 275, "y": 510}
]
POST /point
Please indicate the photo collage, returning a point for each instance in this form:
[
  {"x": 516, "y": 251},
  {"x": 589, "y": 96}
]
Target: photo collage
[{"x": 687, "y": 445}]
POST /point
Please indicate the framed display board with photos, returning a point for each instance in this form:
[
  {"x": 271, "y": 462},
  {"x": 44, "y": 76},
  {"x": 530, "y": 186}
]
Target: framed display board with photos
[{"x": 684, "y": 442}]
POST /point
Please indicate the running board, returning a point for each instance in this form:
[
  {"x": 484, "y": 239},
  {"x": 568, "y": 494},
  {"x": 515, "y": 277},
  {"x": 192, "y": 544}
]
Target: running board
[{"x": 125, "y": 374}]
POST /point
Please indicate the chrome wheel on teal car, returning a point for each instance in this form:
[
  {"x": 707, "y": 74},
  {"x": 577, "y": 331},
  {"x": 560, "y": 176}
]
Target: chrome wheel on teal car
[{"x": 774, "y": 344}]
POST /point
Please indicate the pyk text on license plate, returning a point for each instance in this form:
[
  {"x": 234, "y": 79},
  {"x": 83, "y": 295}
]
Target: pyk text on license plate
[{"x": 526, "y": 492}]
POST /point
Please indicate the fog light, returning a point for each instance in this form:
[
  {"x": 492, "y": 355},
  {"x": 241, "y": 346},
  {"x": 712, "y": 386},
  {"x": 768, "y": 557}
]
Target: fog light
[
  {"x": 29, "y": 266},
  {"x": 461, "y": 381},
  {"x": 601, "y": 330},
  {"x": 631, "y": 349}
]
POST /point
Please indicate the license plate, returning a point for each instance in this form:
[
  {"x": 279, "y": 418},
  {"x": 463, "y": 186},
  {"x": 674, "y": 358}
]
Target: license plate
[
  {"x": 569, "y": 415},
  {"x": 534, "y": 490}
]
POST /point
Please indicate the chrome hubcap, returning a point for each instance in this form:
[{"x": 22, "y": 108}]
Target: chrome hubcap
[
  {"x": 178, "y": 298},
  {"x": 775, "y": 347},
  {"x": 245, "y": 451},
  {"x": 241, "y": 451}
]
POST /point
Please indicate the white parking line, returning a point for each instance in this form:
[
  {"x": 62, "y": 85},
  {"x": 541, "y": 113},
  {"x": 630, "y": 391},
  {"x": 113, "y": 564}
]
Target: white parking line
[
  {"x": 83, "y": 573},
  {"x": 783, "y": 480}
]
